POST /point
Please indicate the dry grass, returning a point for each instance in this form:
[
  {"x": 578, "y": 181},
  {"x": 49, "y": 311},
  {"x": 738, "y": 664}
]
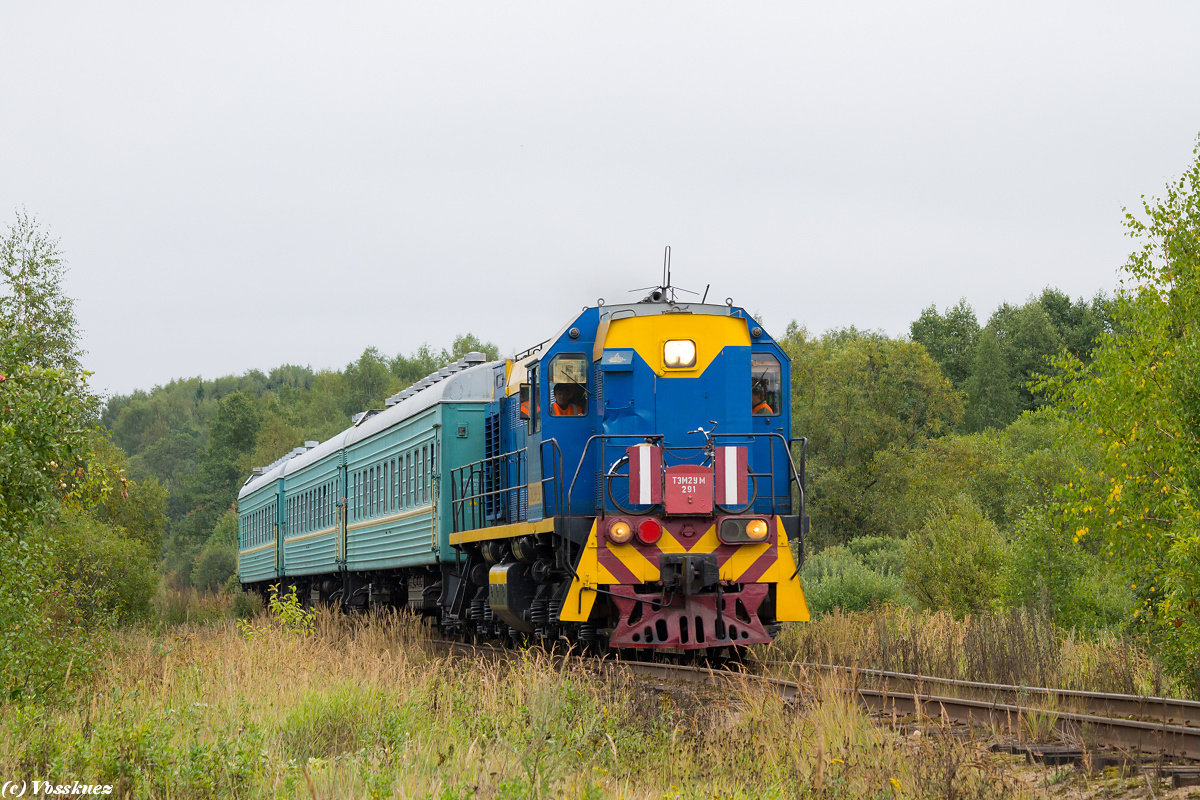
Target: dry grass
[
  {"x": 1014, "y": 647},
  {"x": 364, "y": 708}
]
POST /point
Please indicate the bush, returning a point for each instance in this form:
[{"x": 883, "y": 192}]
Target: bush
[
  {"x": 217, "y": 562},
  {"x": 43, "y": 639},
  {"x": 108, "y": 576},
  {"x": 1061, "y": 579},
  {"x": 957, "y": 560},
  {"x": 837, "y": 578},
  {"x": 214, "y": 566},
  {"x": 883, "y": 554}
]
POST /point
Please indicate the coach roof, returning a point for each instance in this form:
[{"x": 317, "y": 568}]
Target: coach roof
[{"x": 472, "y": 384}]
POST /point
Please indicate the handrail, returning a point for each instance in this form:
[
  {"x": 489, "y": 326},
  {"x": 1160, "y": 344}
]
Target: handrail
[
  {"x": 557, "y": 478},
  {"x": 463, "y": 479},
  {"x": 464, "y": 488},
  {"x": 795, "y": 474},
  {"x": 587, "y": 446}
]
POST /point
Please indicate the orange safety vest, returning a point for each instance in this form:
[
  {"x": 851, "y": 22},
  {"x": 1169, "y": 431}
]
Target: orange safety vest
[
  {"x": 763, "y": 408},
  {"x": 571, "y": 410}
]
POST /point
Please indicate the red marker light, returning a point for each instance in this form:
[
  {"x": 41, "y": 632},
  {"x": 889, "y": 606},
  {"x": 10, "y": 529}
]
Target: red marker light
[{"x": 649, "y": 532}]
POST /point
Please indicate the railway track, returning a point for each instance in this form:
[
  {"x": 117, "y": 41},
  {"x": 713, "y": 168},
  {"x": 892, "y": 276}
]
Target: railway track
[
  {"x": 1166, "y": 727},
  {"x": 1103, "y": 704},
  {"x": 1158, "y": 726}
]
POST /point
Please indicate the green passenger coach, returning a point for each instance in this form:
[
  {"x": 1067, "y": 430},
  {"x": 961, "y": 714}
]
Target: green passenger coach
[{"x": 364, "y": 517}]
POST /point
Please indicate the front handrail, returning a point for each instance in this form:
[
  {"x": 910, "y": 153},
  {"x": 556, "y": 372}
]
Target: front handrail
[
  {"x": 557, "y": 475},
  {"x": 795, "y": 476},
  {"x": 588, "y": 445}
]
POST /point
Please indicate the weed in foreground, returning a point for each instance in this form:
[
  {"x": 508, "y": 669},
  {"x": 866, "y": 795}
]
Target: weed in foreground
[
  {"x": 364, "y": 708},
  {"x": 1015, "y": 647}
]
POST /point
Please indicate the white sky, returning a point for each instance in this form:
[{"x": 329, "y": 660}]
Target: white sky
[{"x": 239, "y": 185}]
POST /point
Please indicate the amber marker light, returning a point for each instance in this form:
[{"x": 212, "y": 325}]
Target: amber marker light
[
  {"x": 619, "y": 531},
  {"x": 679, "y": 354},
  {"x": 740, "y": 530},
  {"x": 756, "y": 530},
  {"x": 649, "y": 532}
]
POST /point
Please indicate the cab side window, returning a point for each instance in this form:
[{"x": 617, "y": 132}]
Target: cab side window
[
  {"x": 766, "y": 385},
  {"x": 569, "y": 385}
]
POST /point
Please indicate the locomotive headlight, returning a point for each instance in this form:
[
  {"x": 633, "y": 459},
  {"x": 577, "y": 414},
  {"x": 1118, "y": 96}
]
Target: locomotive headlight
[
  {"x": 679, "y": 354},
  {"x": 619, "y": 532}
]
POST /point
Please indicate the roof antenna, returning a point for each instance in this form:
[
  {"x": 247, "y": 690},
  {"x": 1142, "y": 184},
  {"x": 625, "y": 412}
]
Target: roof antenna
[
  {"x": 706, "y": 288},
  {"x": 664, "y": 292},
  {"x": 667, "y": 269}
]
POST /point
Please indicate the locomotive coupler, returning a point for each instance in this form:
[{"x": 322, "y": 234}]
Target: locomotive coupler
[{"x": 688, "y": 573}]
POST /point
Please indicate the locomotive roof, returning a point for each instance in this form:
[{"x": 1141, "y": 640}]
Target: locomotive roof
[
  {"x": 519, "y": 372},
  {"x": 473, "y": 384}
]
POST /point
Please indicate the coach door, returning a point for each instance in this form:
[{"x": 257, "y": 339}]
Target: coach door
[{"x": 339, "y": 536}]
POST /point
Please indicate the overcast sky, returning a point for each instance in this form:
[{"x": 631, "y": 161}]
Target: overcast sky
[{"x": 242, "y": 185}]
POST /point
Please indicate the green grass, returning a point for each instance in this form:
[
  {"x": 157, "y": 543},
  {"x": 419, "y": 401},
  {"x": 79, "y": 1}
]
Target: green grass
[
  {"x": 363, "y": 707},
  {"x": 1017, "y": 647}
]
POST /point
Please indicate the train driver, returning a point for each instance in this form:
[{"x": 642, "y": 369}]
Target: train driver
[
  {"x": 564, "y": 402},
  {"x": 758, "y": 394}
]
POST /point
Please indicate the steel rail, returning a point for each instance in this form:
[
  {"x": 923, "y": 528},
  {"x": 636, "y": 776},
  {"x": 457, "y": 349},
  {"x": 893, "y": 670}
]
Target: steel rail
[
  {"x": 1159, "y": 737},
  {"x": 1126, "y": 734},
  {"x": 1158, "y": 709}
]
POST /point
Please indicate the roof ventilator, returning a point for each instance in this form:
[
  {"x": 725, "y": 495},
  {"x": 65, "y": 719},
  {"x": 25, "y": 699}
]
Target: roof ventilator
[{"x": 467, "y": 361}]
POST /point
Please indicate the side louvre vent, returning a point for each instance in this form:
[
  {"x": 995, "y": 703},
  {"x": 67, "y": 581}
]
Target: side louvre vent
[{"x": 491, "y": 449}]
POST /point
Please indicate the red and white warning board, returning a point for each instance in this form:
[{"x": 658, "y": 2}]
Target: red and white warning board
[
  {"x": 645, "y": 474},
  {"x": 731, "y": 476}
]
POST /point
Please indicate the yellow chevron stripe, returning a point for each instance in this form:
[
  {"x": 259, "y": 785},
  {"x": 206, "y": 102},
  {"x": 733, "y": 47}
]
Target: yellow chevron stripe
[
  {"x": 580, "y": 597},
  {"x": 790, "y": 603}
]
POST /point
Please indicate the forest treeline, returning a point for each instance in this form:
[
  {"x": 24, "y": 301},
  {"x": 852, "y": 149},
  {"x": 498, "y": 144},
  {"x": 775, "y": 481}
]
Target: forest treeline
[
  {"x": 862, "y": 398},
  {"x": 201, "y": 438},
  {"x": 1048, "y": 457}
]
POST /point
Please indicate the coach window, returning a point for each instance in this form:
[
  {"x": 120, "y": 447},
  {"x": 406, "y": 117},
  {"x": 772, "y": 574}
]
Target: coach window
[
  {"x": 363, "y": 489},
  {"x": 395, "y": 487},
  {"x": 766, "y": 385},
  {"x": 569, "y": 385},
  {"x": 356, "y": 495},
  {"x": 412, "y": 494},
  {"x": 424, "y": 475}
]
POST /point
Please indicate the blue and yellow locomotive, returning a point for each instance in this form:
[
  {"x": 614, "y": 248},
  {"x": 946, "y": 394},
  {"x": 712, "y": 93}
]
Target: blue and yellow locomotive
[{"x": 631, "y": 482}]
